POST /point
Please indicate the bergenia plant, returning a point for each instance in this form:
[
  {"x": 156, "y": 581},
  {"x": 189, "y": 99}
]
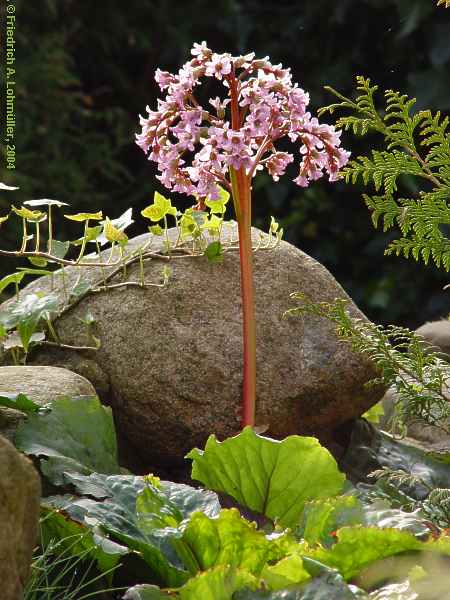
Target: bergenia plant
[{"x": 227, "y": 142}]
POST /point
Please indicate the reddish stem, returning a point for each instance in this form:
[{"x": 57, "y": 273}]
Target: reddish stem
[{"x": 241, "y": 188}]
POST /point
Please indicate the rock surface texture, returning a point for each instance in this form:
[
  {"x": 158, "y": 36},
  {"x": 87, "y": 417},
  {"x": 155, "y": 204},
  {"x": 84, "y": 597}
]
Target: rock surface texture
[
  {"x": 170, "y": 361},
  {"x": 19, "y": 517},
  {"x": 40, "y": 384}
]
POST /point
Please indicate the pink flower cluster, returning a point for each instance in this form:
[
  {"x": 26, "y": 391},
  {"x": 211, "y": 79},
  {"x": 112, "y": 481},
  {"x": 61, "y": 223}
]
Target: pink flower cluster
[{"x": 194, "y": 146}]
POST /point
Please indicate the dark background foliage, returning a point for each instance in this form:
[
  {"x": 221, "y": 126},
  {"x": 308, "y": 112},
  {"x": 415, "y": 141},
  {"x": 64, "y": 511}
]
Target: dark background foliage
[{"x": 85, "y": 72}]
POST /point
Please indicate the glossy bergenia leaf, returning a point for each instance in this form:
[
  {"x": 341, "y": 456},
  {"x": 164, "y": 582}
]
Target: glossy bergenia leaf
[{"x": 271, "y": 477}]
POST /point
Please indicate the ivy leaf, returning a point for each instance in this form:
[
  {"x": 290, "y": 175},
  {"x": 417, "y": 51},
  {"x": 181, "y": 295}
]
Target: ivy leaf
[
  {"x": 76, "y": 435},
  {"x": 218, "y": 206},
  {"x": 159, "y": 209},
  {"x": 35, "y": 216},
  {"x": 113, "y": 234},
  {"x": 81, "y": 217},
  {"x": 33, "y": 308},
  {"x": 45, "y": 202},
  {"x": 9, "y": 279},
  {"x": 60, "y": 249},
  {"x": 156, "y": 230},
  {"x": 121, "y": 223},
  {"x": 271, "y": 477},
  {"x": 92, "y": 234},
  {"x": 214, "y": 252},
  {"x": 38, "y": 261}
]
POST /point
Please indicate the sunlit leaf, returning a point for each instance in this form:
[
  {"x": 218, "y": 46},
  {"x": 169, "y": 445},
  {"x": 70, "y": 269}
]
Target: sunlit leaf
[
  {"x": 271, "y": 477},
  {"x": 98, "y": 216}
]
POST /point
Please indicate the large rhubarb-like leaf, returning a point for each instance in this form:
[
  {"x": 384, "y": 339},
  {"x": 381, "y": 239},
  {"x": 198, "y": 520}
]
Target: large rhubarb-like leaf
[
  {"x": 76, "y": 435},
  {"x": 271, "y": 477}
]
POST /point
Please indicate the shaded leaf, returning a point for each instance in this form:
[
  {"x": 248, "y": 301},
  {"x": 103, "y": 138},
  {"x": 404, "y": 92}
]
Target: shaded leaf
[{"x": 76, "y": 435}]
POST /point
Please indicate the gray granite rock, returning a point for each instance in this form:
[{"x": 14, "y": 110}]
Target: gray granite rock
[
  {"x": 42, "y": 384},
  {"x": 19, "y": 516},
  {"x": 170, "y": 361}
]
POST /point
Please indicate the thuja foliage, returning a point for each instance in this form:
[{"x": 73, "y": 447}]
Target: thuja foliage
[
  {"x": 404, "y": 361},
  {"x": 417, "y": 147}
]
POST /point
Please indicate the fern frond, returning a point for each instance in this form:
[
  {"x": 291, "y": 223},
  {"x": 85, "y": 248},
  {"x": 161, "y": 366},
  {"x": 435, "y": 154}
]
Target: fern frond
[
  {"x": 417, "y": 145},
  {"x": 383, "y": 169},
  {"x": 422, "y": 249},
  {"x": 404, "y": 361}
]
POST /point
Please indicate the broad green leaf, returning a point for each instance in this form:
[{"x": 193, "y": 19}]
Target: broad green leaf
[
  {"x": 18, "y": 402},
  {"x": 271, "y": 477},
  {"x": 214, "y": 252},
  {"x": 9, "y": 279},
  {"x": 45, "y": 202},
  {"x": 148, "y": 592},
  {"x": 219, "y": 583},
  {"x": 285, "y": 573},
  {"x": 117, "y": 515},
  {"x": 227, "y": 539},
  {"x": 81, "y": 217},
  {"x": 79, "y": 289},
  {"x": 360, "y": 546},
  {"x": 322, "y": 517},
  {"x": 76, "y": 435},
  {"x": 380, "y": 514},
  {"x": 145, "y": 515},
  {"x": 35, "y": 216},
  {"x": 79, "y": 539}
]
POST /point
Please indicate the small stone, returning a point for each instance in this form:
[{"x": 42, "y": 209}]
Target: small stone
[{"x": 42, "y": 385}]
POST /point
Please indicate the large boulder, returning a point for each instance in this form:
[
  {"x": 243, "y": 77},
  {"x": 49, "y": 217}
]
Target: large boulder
[
  {"x": 19, "y": 518},
  {"x": 170, "y": 360},
  {"x": 40, "y": 384}
]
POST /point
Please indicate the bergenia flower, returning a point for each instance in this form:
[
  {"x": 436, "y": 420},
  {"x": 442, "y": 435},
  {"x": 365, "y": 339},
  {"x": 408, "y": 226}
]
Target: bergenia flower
[
  {"x": 197, "y": 149},
  {"x": 195, "y": 146}
]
